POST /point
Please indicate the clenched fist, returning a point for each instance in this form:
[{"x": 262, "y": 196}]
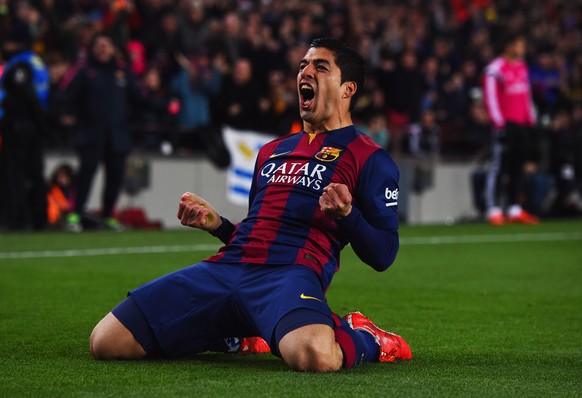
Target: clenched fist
[
  {"x": 336, "y": 201},
  {"x": 195, "y": 212}
]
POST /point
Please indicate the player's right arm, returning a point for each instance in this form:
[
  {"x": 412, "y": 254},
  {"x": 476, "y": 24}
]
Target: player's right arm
[
  {"x": 370, "y": 223},
  {"x": 195, "y": 212},
  {"x": 376, "y": 245},
  {"x": 491, "y": 94}
]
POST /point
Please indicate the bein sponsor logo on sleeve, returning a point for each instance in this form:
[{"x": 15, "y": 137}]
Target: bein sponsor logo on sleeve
[{"x": 391, "y": 197}]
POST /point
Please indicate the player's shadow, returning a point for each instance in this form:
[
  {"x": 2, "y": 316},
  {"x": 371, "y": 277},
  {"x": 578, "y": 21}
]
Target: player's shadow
[{"x": 263, "y": 362}]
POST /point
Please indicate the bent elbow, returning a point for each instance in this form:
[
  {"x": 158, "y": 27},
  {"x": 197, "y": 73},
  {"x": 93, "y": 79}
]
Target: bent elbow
[
  {"x": 382, "y": 266},
  {"x": 384, "y": 262}
]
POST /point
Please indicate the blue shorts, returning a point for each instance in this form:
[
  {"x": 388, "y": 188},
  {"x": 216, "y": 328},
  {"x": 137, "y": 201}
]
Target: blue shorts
[{"x": 187, "y": 310}]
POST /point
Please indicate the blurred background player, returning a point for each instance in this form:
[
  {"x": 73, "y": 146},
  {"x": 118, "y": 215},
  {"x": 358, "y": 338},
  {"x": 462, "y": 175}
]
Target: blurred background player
[
  {"x": 508, "y": 100},
  {"x": 24, "y": 94}
]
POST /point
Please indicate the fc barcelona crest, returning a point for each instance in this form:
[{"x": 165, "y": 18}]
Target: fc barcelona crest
[{"x": 328, "y": 154}]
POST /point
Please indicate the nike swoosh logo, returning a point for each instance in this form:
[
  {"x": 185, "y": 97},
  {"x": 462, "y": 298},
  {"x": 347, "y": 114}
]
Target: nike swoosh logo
[
  {"x": 279, "y": 154},
  {"x": 304, "y": 297}
]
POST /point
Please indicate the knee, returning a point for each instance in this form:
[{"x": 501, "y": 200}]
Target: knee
[
  {"x": 110, "y": 339},
  {"x": 100, "y": 345},
  {"x": 311, "y": 358},
  {"x": 309, "y": 354}
]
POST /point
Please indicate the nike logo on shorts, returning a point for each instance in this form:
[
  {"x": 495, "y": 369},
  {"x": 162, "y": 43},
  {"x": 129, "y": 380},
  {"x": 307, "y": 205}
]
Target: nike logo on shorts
[{"x": 305, "y": 297}]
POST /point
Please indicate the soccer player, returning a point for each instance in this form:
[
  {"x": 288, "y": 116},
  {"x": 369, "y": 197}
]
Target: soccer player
[
  {"x": 312, "y": 193},
  {"x": 510, "y": 108}
]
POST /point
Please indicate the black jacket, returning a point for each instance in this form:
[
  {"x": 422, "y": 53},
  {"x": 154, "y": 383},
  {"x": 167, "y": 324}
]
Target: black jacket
[
  {"x": 101, "y": 96},
  {"x": 24, "y": 119}
]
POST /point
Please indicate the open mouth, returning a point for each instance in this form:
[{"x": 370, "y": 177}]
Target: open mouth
[{"x": 307, "y": 94}]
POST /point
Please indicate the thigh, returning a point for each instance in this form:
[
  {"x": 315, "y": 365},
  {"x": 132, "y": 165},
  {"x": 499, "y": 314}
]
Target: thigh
[
  {"x": 191, "y": 305},
  {"x": 512, "y": 148},
  {"x": 268, "y": 293}
]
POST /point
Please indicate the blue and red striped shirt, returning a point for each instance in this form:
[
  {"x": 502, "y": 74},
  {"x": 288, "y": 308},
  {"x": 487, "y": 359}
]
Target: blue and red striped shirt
[{"x": 285, "y": 225}]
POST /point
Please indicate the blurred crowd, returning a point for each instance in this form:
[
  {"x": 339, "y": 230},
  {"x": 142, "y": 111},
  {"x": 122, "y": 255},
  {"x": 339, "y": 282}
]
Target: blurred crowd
[{"x": 235, "y": 62}]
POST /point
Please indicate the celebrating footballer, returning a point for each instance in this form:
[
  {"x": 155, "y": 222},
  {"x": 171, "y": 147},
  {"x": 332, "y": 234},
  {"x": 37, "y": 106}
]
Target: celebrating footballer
[{"x": 312, "y": 193}]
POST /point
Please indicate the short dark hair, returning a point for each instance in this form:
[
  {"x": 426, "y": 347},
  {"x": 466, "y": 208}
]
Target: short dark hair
[
  {"x": 506, "y": 38},
  {"x": 349, "y": 61}
]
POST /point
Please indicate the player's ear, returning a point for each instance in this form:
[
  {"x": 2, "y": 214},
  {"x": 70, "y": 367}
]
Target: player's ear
[{"x": 350, "y": 89}]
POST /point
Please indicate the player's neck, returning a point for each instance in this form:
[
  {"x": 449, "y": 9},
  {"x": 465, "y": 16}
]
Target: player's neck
[
  {"x": 328, "y": 125},
  {"x": 512, "y": 57}
]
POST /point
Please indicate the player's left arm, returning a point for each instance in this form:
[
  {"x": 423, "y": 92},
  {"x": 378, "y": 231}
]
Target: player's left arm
[
  {"x": 370, "y": 222},
  {"x": 195, "y": 212},
  {"x": 531, "y": 108}
]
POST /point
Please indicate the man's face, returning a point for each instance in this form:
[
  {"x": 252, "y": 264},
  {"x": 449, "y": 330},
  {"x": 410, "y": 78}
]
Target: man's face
[
  {"x": 242, "y": 72},
  {"x": 518, "y": 48},
  {"x": 103, "y": 49},
  {"x": 319, "y": 86}
]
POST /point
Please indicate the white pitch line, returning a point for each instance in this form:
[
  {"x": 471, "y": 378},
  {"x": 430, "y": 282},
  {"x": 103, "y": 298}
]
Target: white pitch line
[
  {"x": 106, "y": 251},
  {"x": 429, "y": 240},
  {"x": 543, "y": 237}
]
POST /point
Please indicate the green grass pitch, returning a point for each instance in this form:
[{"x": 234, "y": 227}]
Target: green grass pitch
[{"x": 487, "y": 311}]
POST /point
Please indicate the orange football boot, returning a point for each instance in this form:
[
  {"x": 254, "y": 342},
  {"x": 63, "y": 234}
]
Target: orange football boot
[
  {"x": 392, "y": 346},
  {"x": 253, "y": 345},
  {"x": 524, "y": 218}
]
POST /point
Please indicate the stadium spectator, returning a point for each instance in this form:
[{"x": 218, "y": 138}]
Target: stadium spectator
[
  {"x": 378, "y": 131},
  {"x": 194, "y": 26},
  {"x": 167, "y": 44},
  {"x": 241, "y": 103},
  {"x": 229, "y": 38},
  {"x": 424, "y": 137},
  {"x": 24, "y": 92},
  {"x": 402, "y": 84},
  {"x": 58, "y": 120},
  {"x": 565, "y": 162},
  {"x": 431, "y": 84},
  {"x": 118, "y": 18},
  {"x": 149, "y": 31},
  {"x": 151, "y": 127},
  {"x": 574, "y": 83},
  {"x": 282, "y": 97},
  {"x": 197, "y": 82},
  {"x": 478, "y": 131},
  {"x": 515, "y": 147},
  {"x": 471, "y": 85},
  {"x": 136, "y": 57},
  {"x": 456, "y": 101},
  {"x": 60, "y": 195}
]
